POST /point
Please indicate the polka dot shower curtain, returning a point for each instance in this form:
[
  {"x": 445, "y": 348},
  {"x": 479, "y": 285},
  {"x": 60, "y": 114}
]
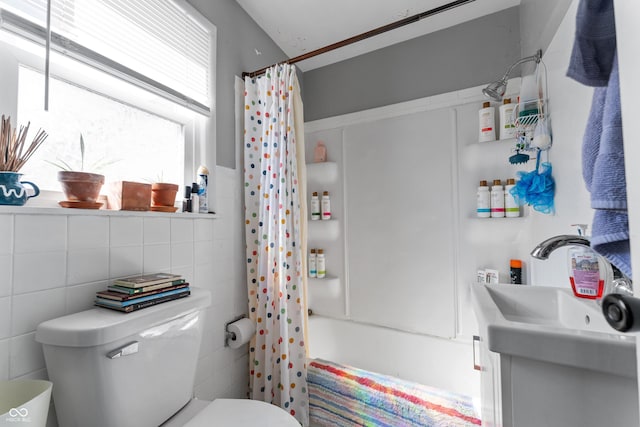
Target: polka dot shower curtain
[{"x": 275, "y": 221}]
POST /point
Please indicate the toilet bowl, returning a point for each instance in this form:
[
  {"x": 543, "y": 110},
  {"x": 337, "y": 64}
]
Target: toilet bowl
[
  {"x": 138, "y": 370},
  {"x": 232, "y": 413}
]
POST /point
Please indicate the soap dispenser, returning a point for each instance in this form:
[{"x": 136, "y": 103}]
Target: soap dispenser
[{"x": 587, "y": 273}]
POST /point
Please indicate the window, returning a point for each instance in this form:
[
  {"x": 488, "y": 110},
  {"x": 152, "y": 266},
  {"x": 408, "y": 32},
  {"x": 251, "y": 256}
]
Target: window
[
  {"x": 133, "y": 77},
  {"x": 120, "y": 140}
]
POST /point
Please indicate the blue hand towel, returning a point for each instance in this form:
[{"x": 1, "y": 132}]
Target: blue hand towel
[
  {"x": 602, "y": 148},
  {"x": 594, "y": 63},
  {"x": 595, "y": 43}
]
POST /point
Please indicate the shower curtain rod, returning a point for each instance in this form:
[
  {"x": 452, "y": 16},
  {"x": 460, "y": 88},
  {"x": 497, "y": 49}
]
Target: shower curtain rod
[{"x": 363, "y": 36}]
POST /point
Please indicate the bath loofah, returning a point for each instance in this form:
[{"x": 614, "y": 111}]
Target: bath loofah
[{"x": 536, "y": 188}]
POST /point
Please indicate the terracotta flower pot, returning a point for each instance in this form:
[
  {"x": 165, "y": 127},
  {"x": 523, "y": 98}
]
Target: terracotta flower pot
[
  {"x": 81, "y": 186},
  {"x": 163, "y": 194}
]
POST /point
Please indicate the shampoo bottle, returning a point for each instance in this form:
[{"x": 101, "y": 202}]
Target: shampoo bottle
[
  {"x": 312, "y": 264},
  {"x": 326, "y": 206},
  {"x": 315, "y": 206},
  {"x": 507, "y": 120},
  {"x": 321, "y": 269},
  {"x": 487, "y": 119},
  {"x": 497, "y": 199},
  {"x": 511, "y": 207},
  {"x": 483, "y": 201}
]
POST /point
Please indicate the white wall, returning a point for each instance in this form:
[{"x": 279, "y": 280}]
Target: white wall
[{"x": 52, "y": 261}]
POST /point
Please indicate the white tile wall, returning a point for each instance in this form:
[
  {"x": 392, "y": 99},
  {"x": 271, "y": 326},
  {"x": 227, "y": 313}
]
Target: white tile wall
[
  {"x": 52, "y": 263},
  {"x": 88, "y": 232},
  {"x": 6, "y": 272},
  {"x": 4, "y": 360}
]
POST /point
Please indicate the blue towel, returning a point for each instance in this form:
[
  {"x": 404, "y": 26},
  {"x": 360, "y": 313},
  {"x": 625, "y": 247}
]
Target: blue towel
[
  {"x": 594, "y": 63},
  {"x": 595, "y": 43}
]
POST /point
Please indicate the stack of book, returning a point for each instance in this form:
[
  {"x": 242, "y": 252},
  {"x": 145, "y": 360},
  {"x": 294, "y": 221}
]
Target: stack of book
[{"x": 137, "y": 292}]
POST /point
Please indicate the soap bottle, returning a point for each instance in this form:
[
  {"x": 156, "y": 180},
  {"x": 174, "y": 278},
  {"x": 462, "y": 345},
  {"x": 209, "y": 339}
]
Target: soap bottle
[
  {"x": 315, "y": 206},
  {"x": 497, "y": 199},
  {"x": 483, "y": 204},
  {"x": 511, "y": 208},
  {"x": 487, "y": 123},
  {"x": 320, "y": 153},
  {"x": 507, "y": 121},
  {"x": 587, "y": 273},
  {"x": 321, "y": 269},
  {"x": 326, "y": 206}
]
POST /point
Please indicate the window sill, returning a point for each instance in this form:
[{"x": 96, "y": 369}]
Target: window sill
[{"x": 26, "y": 210}]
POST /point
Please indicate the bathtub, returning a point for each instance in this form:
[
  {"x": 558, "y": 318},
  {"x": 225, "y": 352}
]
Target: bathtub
[{"x": 443, "y": 363}]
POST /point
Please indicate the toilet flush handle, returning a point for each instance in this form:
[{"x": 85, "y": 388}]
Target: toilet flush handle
[{"x": 125, "y": 350}]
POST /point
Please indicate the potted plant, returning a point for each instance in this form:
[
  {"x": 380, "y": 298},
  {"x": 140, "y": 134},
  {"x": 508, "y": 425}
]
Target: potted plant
[
  {"x": 13, "y": 155},
  {"x": 163, "y": 195},
  {"x": 80, "y": 188}
]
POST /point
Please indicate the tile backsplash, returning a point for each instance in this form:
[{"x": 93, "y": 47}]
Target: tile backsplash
[{"x": 52, "y": 261}]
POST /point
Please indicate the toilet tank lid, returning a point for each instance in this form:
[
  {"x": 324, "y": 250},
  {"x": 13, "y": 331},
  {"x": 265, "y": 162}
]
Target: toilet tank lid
[{"x": 101, "y": 326}]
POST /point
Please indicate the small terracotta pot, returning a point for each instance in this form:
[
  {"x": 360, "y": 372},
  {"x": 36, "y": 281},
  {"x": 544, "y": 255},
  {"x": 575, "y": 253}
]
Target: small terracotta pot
[
  {"x": 81, "y": 186},
  {"x": 163, "y": 194}
]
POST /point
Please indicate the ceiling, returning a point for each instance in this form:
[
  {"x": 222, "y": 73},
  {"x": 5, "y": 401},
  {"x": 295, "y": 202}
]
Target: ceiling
[{"x": 302, "y": 26}]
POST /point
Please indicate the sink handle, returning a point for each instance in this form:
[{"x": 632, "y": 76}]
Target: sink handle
[{"x": 622, "y": 312}]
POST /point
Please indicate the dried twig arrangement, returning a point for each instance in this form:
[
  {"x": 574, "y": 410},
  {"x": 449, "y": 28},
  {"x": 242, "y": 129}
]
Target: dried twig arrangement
[{"x": 13, "y": 154}]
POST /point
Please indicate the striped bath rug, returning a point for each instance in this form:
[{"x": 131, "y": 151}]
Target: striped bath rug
[{"x": 343, "y": 396}]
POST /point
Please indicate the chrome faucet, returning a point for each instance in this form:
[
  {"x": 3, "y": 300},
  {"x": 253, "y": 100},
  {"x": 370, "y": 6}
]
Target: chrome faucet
[{"x": 616, "y": 282}]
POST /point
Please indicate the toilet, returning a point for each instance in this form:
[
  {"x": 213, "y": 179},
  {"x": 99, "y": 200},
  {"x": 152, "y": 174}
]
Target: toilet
[{"x": 138, "y": 370}]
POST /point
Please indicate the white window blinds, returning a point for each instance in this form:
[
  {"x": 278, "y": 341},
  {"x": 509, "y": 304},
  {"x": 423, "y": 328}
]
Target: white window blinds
[{"x": 155, "y": 44}]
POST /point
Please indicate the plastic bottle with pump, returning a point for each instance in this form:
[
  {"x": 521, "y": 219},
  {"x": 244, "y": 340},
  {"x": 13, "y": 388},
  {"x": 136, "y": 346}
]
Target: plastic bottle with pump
[{"x": 586, "y": 270}]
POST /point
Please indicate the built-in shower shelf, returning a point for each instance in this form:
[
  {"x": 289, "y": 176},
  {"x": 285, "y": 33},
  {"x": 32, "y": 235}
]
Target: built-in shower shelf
[
  {"x": 327, "y": 287},
  {"x": 324, "y": 230},
  {"x": 322, "y": 173}
]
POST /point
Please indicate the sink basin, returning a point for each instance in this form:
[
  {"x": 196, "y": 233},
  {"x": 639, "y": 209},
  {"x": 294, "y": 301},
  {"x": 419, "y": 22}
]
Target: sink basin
[{"x": 550, "y": 324}]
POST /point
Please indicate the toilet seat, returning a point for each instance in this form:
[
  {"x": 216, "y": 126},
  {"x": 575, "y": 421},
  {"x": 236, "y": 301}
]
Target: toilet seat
[{"x": 242, "y": 413}]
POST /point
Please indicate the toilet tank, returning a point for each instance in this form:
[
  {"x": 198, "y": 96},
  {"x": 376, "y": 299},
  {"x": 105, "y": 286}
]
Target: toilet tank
[{"x": 124, "y": 369}]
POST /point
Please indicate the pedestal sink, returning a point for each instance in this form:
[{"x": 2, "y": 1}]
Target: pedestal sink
[{"x": 550, "y": 359}]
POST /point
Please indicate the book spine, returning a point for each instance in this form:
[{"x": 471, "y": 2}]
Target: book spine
[
  {"x": 128, "y": 296},
  {"x": 161, "y": 282},
  {"x": 137, "y": 299},
  {"x": 151, "y": 297},
  {"x": 145, "y": 304}
]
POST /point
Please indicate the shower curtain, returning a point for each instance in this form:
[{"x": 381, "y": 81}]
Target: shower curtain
[{"x": 275, "y": 224}]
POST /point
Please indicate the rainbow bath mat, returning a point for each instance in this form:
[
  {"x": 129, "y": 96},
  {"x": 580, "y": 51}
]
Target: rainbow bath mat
[{"x": 342, "y": 396}]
